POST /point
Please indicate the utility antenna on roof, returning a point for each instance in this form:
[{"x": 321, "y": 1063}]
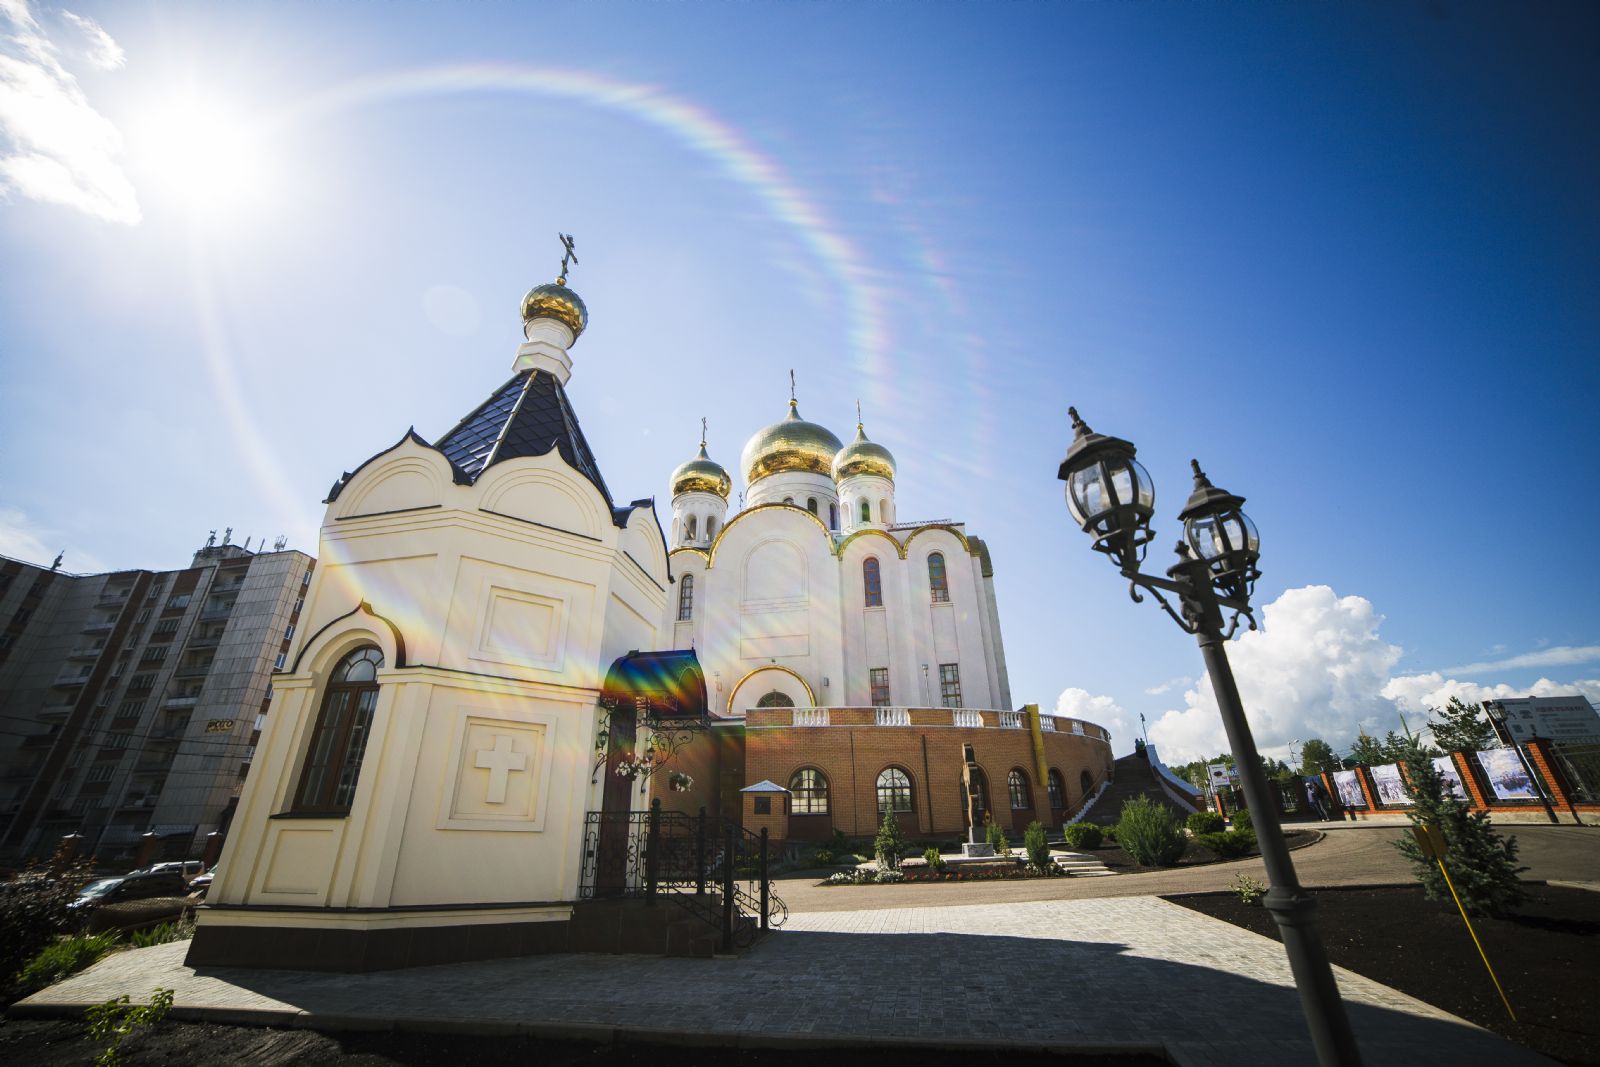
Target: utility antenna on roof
[
  {"x": 566, "y": 241},
  {"x": 277, "y": 546}
]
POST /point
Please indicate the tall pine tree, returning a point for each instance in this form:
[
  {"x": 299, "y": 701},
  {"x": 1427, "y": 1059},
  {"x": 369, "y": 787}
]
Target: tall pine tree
[{"x": 1458, "y": 726}]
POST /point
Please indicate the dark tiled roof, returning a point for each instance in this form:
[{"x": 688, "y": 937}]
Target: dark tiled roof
[{"x": 527, "y": 416}]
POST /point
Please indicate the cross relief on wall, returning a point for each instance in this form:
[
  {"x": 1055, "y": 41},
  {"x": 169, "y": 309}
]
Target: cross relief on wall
[
  {"x": 500, "y": 761},
  {"x": 496, "y": 774}
]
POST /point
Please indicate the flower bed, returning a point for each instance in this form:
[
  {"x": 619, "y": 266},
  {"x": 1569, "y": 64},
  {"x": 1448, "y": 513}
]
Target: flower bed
[{"x": 987, "y": 872}]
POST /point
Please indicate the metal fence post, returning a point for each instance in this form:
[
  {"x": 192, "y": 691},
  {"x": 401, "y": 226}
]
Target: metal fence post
[
  {"x": 700, "y": 855},
  {"x": 764, "y": 885},
  {"x": 653, "y": 851},
  {"x": 727, "y": 889}
]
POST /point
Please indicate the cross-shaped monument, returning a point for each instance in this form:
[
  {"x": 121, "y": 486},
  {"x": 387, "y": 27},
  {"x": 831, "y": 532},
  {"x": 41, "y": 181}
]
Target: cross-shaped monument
[{"x": 499, "y": 761}]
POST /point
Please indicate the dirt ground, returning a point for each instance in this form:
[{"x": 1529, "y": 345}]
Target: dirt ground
[
  {"x": 1547, "y": 957},
  {"x": 62, "y": 1044}
]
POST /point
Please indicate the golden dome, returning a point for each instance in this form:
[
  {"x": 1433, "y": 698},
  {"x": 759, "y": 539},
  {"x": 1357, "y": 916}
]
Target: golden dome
[
  {"x": 555, "y": 301},
  {"x": 862, "y": 456},
  {"x": 790, "y": 445},
  {"x": 702, "y": 474}
]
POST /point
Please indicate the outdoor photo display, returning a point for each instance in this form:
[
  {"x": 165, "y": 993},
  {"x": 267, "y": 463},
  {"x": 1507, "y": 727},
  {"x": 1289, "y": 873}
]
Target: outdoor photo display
[
  {"x": 1452, "y": 777},
  {"x": 1349, "y": 789},
  {"x": 1506, "y": 775},
  {"x": 1391, "y": 787}
]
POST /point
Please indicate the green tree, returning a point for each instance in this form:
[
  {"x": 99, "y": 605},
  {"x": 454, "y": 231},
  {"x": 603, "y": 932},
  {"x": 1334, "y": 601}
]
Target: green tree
[
  {"x": 1482, "y": 864},
  {"x": 890, "y": 844},
  {"x": 1458, "y": 726},
  {"x": 1397, "y": 748},
  {"x": 1367, "y": 752},
  {"x": 1318, "y": 756}
]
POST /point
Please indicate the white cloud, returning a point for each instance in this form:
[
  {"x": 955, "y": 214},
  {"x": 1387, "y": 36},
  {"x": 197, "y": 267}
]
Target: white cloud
[
  {"x": 1559, "y": 656},
  {"x": 1315, "y": 669},
  {"x": 22, "y": 538},
  {"x": 1169, "y": 685},
  {"x": 1419, "y": 692},
  {"x": 54, "y": 146},
  {"x": 101, "y": 50},
  {"x": 1102, "y": 710}
]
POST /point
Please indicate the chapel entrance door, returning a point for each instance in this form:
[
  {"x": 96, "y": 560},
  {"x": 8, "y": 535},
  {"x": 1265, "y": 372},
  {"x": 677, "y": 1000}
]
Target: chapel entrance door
[{"x": 616, "y": 843}]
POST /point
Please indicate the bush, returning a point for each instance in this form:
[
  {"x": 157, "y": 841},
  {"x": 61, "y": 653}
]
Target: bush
[
  {"x": 1038, "y": 849},
  {"x": 67, "y": 956},
  {"x": 109, "y": 1024},
  {"x": 182, "y": 930},
  {"x": 934, "y": 858},
  {"x": 1242, "y": 820},
  {"x": 1230, "y": 844},
  {"x": 1150, "y": 833},
  {"x": 822, "y": 857},
  {"x": 890, "y": 876},
  {"x": 1206, "y": 822},
  {"x": 1083, "y": 835},
  {"x": 1250, "y": 890},
  {"x": 33, "y": 911},
  {"x": 995, "y": 836},
  {"x": 890, "y": 844}
]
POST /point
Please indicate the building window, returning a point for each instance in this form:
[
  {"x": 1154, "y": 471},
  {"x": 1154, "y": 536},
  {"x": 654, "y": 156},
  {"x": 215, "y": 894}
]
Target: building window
[
  {"x": 288, "y": 632},
  {"x": 1086, "y": 782},
  {"x": 775, "y": 699},
  {"x": 811, "y": 505},
  {"x": 153, "y": 654},
  {"x": 937, "y": 583},
  {"x": 883, "y": 511},
  {"x": 763, "y": 806},
  {"x": 333, "y": 763},
  {"x": 1017, "y": 786},
  {"x": 879, "y": 677},
  {"x": 950, "y": 684},
  {"x": 894, "y": 791},
  {"x": 100, "y": 772},
  {"x": 686, "y": 598},
  {"x": 833, "y": 516},
  {"x": 810, "y": 791},
  {"x": 1058, "y": 789},
  {"x": 711, "y": 528},
  {"x": 693, "y": 527},
  {"x": 180, "y": 600},
  {"x": 872, "y": 579},
  {"x": 278, "y": 664},
  {"x": 789, "y": 500},
  {"x": 866, "y": 511}
]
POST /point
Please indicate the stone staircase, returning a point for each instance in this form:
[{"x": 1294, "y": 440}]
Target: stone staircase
[
  {"x": 1082, "y": 865},
  {"x": 1133, "y": 778}
]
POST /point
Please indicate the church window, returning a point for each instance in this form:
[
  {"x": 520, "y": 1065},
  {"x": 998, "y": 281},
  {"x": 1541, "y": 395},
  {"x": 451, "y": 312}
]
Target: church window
[
  {"x": 693, "y": 529},
  {"x": 810, "y": 789},
  {"x": 811, "y": 505},
  {"x": 950, "y": 684},
  {"x": 775, "y": 699},
  {"x": 686, "y": 598},
  {"x": 711, "y": 528},
  {"x": 872, "y": 579},
  {"x": 937, "y": 582},
  {"x": 1058, "y": 789},
  {"x": 1086, "y": 782},
  {"x": 1017, "y": 786},
  {"x": 788, "y": 500},
  {"x": 833, "y": 516},
  {"x": 883, "y": 511},
  {"x": 894, "y": 791},
  {"x": 866, "y": 511},
  {"x": 333, "y": 762},
  {"x": 879, "y": 678}
]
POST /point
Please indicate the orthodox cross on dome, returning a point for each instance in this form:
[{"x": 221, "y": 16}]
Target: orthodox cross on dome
[
  {"x": 791, "y": 385},
  {"x": 570, "y": 254},
  {"x": 702, "y": 431},
  {"x": 500, "y": 761},
  {"x": 858, "y": 414}
]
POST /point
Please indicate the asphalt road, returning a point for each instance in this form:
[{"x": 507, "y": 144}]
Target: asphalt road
[{"x": 1346, "y": 856}]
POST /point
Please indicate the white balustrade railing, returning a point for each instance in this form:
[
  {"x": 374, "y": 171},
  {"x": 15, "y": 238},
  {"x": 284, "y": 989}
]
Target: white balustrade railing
[
  {"x": 1011, "y": 720},
  {"x": 1047, "y": 723},
  {"x": 811, "y": 716},
  {"x": 894, "y": 716},
  {"x": 966, "y": 717}
]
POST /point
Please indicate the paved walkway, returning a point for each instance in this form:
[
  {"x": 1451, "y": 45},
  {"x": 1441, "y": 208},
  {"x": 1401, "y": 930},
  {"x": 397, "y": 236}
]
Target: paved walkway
[{"x": 1132, "y": 972}]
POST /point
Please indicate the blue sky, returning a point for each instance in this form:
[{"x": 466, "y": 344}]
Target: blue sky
[{"x": 1346, "y": 255}]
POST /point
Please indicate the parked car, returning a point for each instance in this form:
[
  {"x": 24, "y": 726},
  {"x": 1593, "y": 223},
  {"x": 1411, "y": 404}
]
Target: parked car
[
  {"x": 190, "y": 869},
  {"x": 200, "y": 883},
  {"x": 131, "y": 901}
]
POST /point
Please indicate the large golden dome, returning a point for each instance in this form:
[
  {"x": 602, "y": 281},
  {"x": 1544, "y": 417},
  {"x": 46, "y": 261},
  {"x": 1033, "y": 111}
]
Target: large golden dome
[
  {"x": 862, "y": 456},
  {"x": 555, "y": 301},
  {"x": 790, "y": 445},
  {"x": 702, "y": 474}
]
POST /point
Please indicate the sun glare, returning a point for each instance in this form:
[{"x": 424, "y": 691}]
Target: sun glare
[{"x": 201, "y": 153}]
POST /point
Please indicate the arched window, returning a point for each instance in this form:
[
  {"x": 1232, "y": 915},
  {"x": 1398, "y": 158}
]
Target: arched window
[
  {"x": 833, "y": 516},
  {"x": 937, "y": 583},
  {"x": 894, "y": 791},
  {"x": 686, "y": 598},
  {"x": 982, "y": 789},
  {"x": 1058, "y": 789},
  {"x": 1017, "y": 786},
  {"x": 866, "y": 511},
  {"x": 775, "y": 699},
  {"x": 692, "y": 527},
  {"x": 883, "y": 511},
  {"x": 872, "y": 581},
  {"x": 333, "y": 762},
  {"x": 788, "y": 500},
  {"x": 711, "y": 528},
  {"x": 1086, "y": 782},
  {"x": 811, "y": 504},
  {"x": 810, "y": 789}
]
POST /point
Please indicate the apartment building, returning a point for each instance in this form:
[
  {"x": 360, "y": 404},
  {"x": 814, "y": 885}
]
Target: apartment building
[{"x": 131, "y": 702}]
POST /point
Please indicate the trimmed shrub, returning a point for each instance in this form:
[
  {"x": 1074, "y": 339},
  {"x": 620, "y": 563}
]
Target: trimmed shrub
[
  {"x": 67, "y": 956},
  {"x": 1034, "y": 843},
  {"x": 1242, "y": 820},
  {"x": 1083, "y": 835},
  {"x": 1205, "y": 822},
  {"x": 934, "y": 858},
  {"x": 822, "y": 857},
  {"x": 995, "y": 836},
  {"x": 890, "y": 844},
  {"x": 1150, "y": 833},
  {"x": 1228, "y": 845}
]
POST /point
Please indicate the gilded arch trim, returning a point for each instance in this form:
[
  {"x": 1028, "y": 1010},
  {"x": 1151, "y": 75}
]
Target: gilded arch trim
[
  {"x": 711, "y": 557},
  {"x": 810, "y": 696},
  {"x": 951, "y": 530},
  {"x": 900, "y": 550}
]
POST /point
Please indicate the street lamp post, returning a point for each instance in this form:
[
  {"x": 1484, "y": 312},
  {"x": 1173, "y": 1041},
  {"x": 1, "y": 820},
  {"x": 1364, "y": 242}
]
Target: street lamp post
[{"x": 1111, "y": 496}]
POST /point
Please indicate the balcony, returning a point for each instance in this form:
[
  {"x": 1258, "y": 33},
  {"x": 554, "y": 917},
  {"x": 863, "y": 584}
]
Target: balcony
[
  {"x": 86, "y": 653},
  {"x": 55, "y": 711},
  {"x": 99, "y": 627},
  {"x": 966, "y": 718},
  {"x": 1047, "y": 723},
  {"x": 810, "y": 716},
  {"x": 193, "y": 670},
  {"x": 39, "y": 740},
  {"x": 894, "y": 716},
  {"x": 182, "y": 702},
  {"x": 211, "y": 641},
  {"x": 1011, "y": 720},
  {"x": 169, "y": 733},
  {"x": 216, "y": 611}
]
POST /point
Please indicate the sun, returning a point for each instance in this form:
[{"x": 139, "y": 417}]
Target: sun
[{"x": 201, "y": 152}]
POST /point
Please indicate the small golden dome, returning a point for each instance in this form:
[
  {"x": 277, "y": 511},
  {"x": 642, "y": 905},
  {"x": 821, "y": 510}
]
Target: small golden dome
[
  {"x": 790, "y": 445},
  {"x": 702, "y": 474},
  {"x": 555, "y": 301},
  {"x": 862, "y": 456}
]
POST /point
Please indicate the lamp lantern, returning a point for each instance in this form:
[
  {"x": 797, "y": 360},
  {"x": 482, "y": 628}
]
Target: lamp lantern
[
  {"x": 1109, "y": 493},
  {"x": 1222, "y": 535}
]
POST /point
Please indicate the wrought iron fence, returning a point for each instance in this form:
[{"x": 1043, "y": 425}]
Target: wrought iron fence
[{"x": 1582, "y": 766}]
